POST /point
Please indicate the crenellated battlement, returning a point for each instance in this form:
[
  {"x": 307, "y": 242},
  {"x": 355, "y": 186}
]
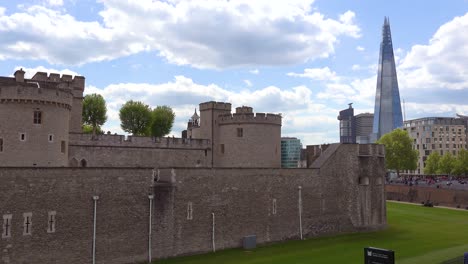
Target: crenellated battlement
[
  {"x": 258, "y": 118},
  {"x": 65, "y": 81},
  {"x": 108, "y": 140},
  {"x": 215, "y": 105},
  {"x": 33, "y": 92}
]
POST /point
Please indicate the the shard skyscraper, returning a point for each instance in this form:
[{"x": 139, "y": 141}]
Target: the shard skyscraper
[{"x": 387, "y": 112}]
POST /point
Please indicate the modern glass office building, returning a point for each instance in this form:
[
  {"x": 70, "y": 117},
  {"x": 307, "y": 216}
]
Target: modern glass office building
[
  {"x": 290, "y": 152},
  {"x": 387, "y": 113},
  {"x": 347, "y": 125},
  {"x": 437, "y": 134}
]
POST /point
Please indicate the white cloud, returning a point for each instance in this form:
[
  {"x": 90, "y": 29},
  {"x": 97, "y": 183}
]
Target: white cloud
[
  {"x": 256, "y": 71},
  {"x": 248, "y": 83},
  {"x": 442, "y": 63},
  {"x": 183, "y": 95},
  {"x": 203, "y": 34},
  {"x": 29, "y": 72},
  {"x": 360, "y": 48},
  {"x": 55, "y": 2},
  {"x": 415, "y": 110},
  {"x": 356, "y": 67},
  {"x": 433, "y": 78},
  {"x": 320, "y": 74}
]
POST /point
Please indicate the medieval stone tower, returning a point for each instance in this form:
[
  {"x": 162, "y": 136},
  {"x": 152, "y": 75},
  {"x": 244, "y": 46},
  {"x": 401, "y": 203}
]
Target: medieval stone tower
[
  {"x": 36, "y": 117},
  {"x": 240, "y": 139}
]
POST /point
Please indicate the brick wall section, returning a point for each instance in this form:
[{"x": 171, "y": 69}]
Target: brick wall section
[
  {"x": 241, "y": 199},
  {"x": 417, "y": 194}
]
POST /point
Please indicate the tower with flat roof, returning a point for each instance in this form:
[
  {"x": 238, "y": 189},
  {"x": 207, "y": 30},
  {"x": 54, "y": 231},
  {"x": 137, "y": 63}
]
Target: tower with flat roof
[{"x": 387, "y": 111}]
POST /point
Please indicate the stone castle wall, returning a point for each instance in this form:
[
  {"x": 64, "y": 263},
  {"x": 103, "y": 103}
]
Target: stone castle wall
[
  {"x": 133, "y": 151},
  {"x": 25, "y": 141},
  {"x": 234, "y": 135},
  {"x": 75, "y": 85},
  {"x": 262, "y": 202},
  {"x": 419, "y": 194},
  {"x": 258, "y": 118},
  {"x": 262, "y": 142}
]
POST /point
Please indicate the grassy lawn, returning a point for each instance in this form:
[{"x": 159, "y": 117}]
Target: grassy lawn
[{"x": 417, "y": 234}]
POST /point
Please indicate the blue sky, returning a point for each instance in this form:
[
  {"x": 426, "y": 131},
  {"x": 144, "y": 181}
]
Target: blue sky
[{"x": 305, "y": 59}]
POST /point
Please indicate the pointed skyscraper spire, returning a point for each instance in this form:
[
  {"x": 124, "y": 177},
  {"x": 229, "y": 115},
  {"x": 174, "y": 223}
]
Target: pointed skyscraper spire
[{"x": 387, "y": 113}]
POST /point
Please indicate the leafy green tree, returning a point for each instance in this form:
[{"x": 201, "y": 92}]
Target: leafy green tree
[
  {"x": 399, "y": 153},
  {"x": 87, "y": 129},
  {"x": 460, "y": 166},
  {"x": 432, "y": 163},
  {"x": 446, "y": 164},
  {"x": 161, "y": 121},
  {"x": 94, "y": 111},
  {"x": 135, "y": 117}
]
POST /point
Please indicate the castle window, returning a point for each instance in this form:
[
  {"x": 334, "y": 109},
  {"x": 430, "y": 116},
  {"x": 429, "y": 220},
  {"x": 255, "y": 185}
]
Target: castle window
[
  {"x": 240, "y": 132},
  {"x": 1, "y": 144},
  {"x": 6, "y": 226},
  {"x": 378, "y": 181},
  {"x": 274, "y": 207},
  {"x": 189, "y": 211},
  {"x": 363, "y": 180},
  {"x": 51, "y": 138},
  {"x": 83, "y": 163},
  {"x": 63, "y": 146},
  {"x": 27, "y": 224},
  {"x": 37, "y": 117},
  {"x": 221, "y": 148},
  {"x": 22, "y": 136},
  {"x": 51, "y": 222}
]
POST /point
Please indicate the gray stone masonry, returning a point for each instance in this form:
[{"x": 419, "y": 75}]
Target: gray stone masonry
[{"x": 345, "y": 194}]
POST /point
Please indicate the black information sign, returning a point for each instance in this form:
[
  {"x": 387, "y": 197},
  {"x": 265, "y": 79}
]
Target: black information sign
[{"x": 378, "y": 256}]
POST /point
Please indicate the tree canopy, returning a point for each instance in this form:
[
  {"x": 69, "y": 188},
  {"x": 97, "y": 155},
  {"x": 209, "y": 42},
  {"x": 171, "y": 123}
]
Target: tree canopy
[
  {"x": 432, "y": 163},
  {"x": 446, "y": 164},
  {"x": 87, "y": 129},
  {"x": 162, "y": 120},
  {"x": 94, "y": 111},
  {"x": 135, "y": 118},
  {"x": 399, "y": 153},
  {"x": 460, "y": 165}
]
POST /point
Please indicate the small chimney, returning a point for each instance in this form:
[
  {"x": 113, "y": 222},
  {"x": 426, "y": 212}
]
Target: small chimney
[{"x": 19, "y": 75}]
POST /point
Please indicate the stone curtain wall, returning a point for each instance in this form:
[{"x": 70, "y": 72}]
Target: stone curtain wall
[
  {"x": 444, "y": 197},
  {"x": 250, "y": 201},
  {"x": 122, "y": 214},
  {"x": 132, "y": 151},
  {"x": 97, "y": 156}
]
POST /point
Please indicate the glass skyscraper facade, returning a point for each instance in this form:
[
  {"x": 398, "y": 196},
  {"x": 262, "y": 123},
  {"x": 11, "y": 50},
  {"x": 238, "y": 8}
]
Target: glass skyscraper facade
[
  {"x": 347, "y": 125},
  {"x": 290, "y": 152},
  {"x": 387, "y": 111}
]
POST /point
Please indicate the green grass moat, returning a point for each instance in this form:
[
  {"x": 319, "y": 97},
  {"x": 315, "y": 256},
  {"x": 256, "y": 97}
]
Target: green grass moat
[{"x": 417, "y": 234}]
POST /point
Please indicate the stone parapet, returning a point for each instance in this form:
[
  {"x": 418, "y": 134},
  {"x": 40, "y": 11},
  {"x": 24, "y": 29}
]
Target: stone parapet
[
  {"x": 258, "y": 118},
  {"x": 31, "y": 92},
  {"x": 77, "y": 82},
  {"x": 137, "y": 141},
  {"x": 215, "y": 105}
]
